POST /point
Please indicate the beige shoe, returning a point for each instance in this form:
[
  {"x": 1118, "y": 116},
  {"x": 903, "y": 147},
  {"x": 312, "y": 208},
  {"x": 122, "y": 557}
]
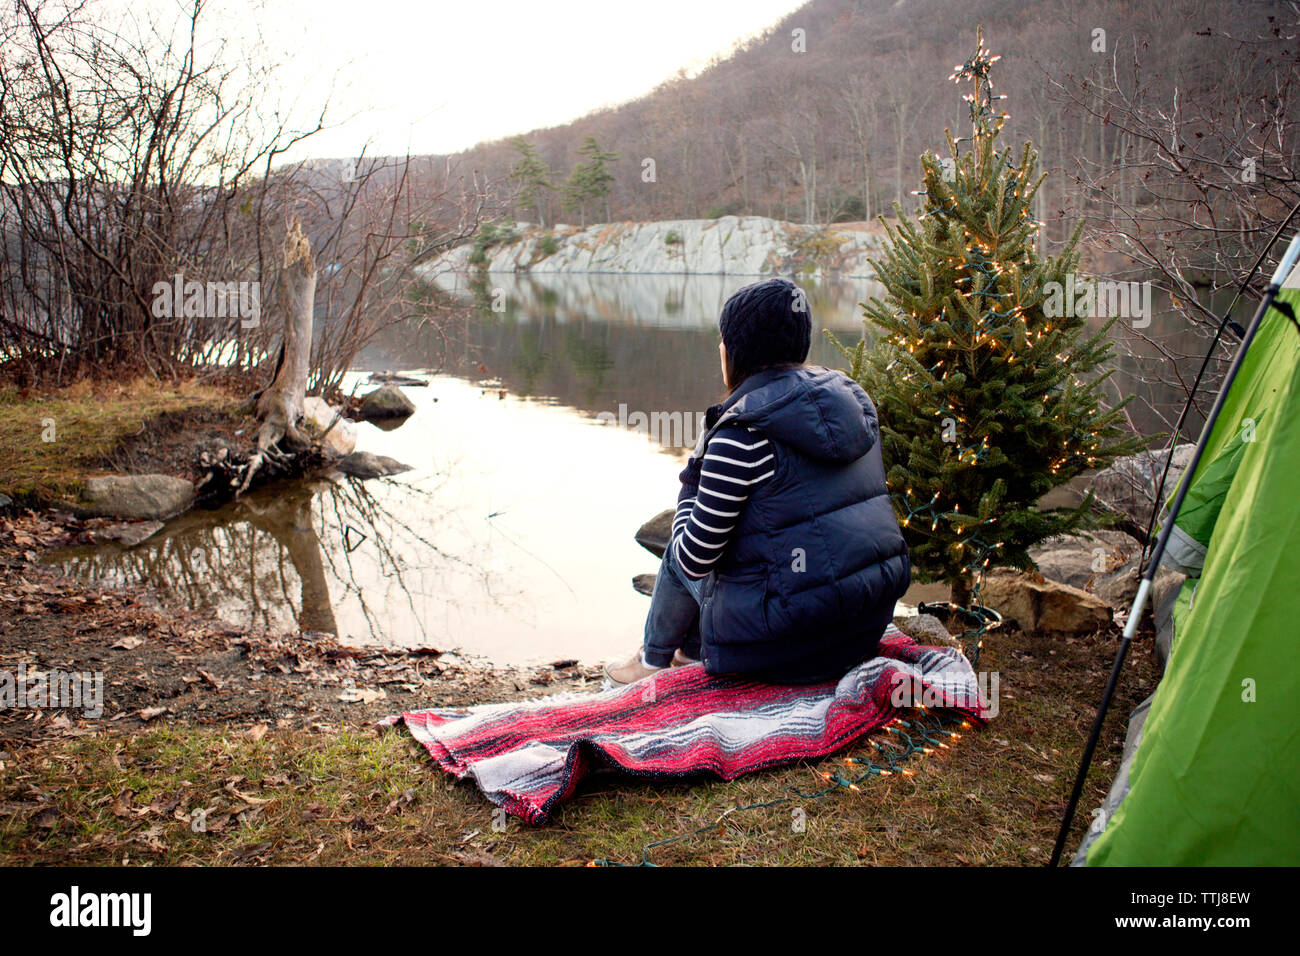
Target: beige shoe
[
  {"x": 681, "y": 660},
  {"x": 630, "y": 671}
]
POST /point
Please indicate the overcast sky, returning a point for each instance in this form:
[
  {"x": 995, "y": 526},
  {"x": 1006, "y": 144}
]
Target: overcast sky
[{"x": 436, "y": 76}]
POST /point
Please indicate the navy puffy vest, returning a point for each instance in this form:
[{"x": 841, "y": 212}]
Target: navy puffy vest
[{"x": 808, "y": 582}]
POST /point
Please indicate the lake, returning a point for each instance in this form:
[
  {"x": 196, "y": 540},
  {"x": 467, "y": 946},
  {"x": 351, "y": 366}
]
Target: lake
[{"x": 511, "y": 537}]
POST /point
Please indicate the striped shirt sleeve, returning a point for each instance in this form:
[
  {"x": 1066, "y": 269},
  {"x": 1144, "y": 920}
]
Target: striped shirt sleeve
[{"x": 736, "y": 460}]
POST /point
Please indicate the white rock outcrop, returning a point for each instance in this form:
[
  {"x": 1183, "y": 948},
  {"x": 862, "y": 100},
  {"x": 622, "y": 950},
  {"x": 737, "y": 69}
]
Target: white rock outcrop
[{"x": 730, "y": 245}]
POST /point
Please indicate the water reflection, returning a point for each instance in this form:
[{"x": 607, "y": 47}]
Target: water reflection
[
  {"x": 663, "y": 301},
  {"x": 511, "y": 537},
  {"x": 593, "y": 342},
  {"x": 650, "y": 341},
  {"x": 282, "y": 556}
]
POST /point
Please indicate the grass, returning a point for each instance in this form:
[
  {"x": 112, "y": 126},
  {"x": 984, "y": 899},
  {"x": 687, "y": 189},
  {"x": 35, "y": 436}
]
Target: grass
[
  {"x": 348, "y": 796},
  {"x": 50, "y": 442}
]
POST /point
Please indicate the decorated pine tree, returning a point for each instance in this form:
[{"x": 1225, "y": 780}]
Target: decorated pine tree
[{"x": 989, "y": 393}]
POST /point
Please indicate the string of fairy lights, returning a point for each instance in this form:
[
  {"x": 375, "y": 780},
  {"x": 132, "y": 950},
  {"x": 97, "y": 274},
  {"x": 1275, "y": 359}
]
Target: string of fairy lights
[{"x": 902, "y": 740}]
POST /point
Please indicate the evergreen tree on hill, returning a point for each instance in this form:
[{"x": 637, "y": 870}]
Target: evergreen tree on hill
[
  {"x": 590, "y": 179},
  {"x": 533, "y": 176}
]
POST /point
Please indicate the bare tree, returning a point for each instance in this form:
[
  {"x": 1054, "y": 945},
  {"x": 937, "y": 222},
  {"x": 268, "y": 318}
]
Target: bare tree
[
  {"x": 858, "y": 103},
  {"x": 1190, "y": 174},
  {"x": 140, "y": 185},
  {"x": 371, "y": 228},
  {"x": 126, "y": 160}
]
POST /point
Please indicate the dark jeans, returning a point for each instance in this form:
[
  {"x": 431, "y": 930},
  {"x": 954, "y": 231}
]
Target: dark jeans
[{"x": 674, "y": 619}]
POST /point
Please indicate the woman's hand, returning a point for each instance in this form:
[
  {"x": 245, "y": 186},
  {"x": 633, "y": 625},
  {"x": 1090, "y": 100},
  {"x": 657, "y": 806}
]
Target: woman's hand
[
  {"x": 711, "y": 416},
  {"x": 690, "y": 476}
]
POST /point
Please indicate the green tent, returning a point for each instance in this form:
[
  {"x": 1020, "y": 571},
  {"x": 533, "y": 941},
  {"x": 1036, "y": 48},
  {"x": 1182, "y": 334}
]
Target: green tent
[{"x": 1211, "y": 774}]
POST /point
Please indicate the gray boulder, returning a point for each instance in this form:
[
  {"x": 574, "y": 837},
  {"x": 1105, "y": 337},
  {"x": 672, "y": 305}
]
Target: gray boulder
[
  {"x": 1037, "y": 604},
  {"x": 926, "y": 629},
  {"x": 644, "y": 583},
  {"x": 654, "y": 534},
  {"x": 156, "y": 497},
  {"x": 387, "y": 401},
  {"x": 388, "y": 378},
  {"x": 1102, "y": 562},
  {"x": 363, "y": 464},
  {"x": 128, "y": 533}
]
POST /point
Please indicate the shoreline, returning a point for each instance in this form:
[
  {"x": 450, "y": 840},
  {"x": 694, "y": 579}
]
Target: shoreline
[{"x": 154, "y": 654}]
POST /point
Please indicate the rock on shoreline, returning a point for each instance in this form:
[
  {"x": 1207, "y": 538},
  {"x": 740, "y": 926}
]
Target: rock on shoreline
[
  {"x": 342, "y": 438},
  {"x": 1103, "y": 562},
  {"x": 1036, "y": 604},
  {"x": 387, "y": 401},
  {"x": 363, "y": 464},
  {"x": 156, "y": 497},
  {"x": 654, "y": 534}
]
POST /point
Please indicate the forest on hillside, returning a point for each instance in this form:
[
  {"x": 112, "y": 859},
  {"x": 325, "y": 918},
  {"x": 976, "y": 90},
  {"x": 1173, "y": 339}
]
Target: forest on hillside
[{"x": 1141, "y": 110}]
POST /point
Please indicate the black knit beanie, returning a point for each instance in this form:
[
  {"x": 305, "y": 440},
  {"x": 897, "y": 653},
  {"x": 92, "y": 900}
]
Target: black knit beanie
[{"x": 766, "y": 323}]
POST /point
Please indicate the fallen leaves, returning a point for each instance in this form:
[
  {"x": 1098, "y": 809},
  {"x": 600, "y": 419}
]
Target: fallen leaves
[
  {"x": 193, "y": 668},
  {"x": 124, "y": 806},
  {"x": 30, "y": 530},
  {"x": 152, "y": 839},
  {"x": 476, "y": 857},
  {"x": 251, "y": 852},
  {"x": 407, "y": 797},
  {"x": 46, "y": 819},
  {"x": 362, "y": 695}
]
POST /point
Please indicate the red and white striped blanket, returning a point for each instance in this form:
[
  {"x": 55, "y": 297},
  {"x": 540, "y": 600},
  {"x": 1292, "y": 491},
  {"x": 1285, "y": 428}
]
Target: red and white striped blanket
[{"x": 529, "y": 756}]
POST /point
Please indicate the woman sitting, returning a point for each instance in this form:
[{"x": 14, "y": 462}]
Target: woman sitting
[{"x": 785, "y": 559}]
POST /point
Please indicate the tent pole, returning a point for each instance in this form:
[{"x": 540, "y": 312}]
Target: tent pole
[{"x": 1284, "y": 268}]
